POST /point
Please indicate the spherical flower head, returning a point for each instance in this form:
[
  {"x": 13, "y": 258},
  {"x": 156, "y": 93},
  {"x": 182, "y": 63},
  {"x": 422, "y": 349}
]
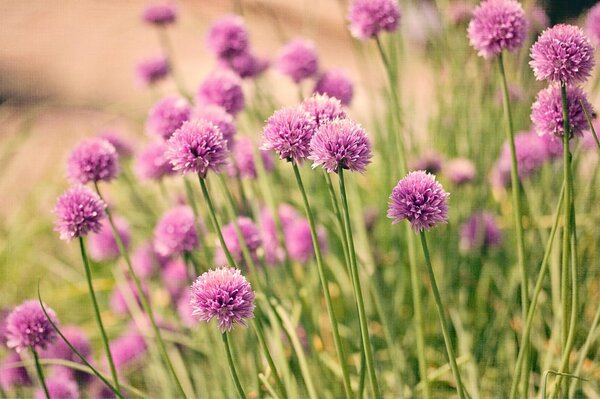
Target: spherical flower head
[
  {"x": 197, "y": 147},
  {"x": 250, "y": 234},
  {"x": 592, "y": 23},
  {"x": 554, "y": 146},
  {"x": 160, "y": 14},
  {"x": 480, "y": 232},
  {"x": 146, "y": 262},
  {"x": 60, "y": 350},
  {"x": 323, "y": 108},
  {"x": 243, "y": 164},
  {"x": 531, "y": 153},
  {"x": 78, "y": 211},
  {"x": 167, "y": 115},
  {"x": 547, "y": 114},
  {"x": 298, "y": 60},
  {"x": 152, "y": 162},
  {"x": 298, "y": 240},
  {"x": 11, "y": 377},
  {"x": 225, "y": 294},
  {"x": 341, "y": 143},
  {"x": 430, "y": 161},
  {"x": 93, "y": 160},
  {"x": 563, "y": 54},
  {"x": 368, "y": 18},
  {"x": 175, "y": 232},
  {"x": 288, "y": 132},
  {"x": 223, "y": 88},
  {"x": 336, "y": 83},
  {"x": 420, "y": 199},
  {"x": 59, "y": 386},
  {"x": 153, "y": 69},
  {"x": 245, "y": 64},
  {"x": 28, "y": 328},
  {"x": 228, "y": 36},
  {"x": 460, "y": 171},
  {"x": 103, "y": 246},
  {"x": 115, "y": 137},
  {"x": 220, "y": 118},
  {"x": 497, "y": 25},
  {"x": 126, "y": 350}
]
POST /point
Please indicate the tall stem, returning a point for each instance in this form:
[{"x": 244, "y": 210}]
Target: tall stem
[
  {"x": 165, "y": 42},
  {"x": 332, "y": 318},
  {"x": 263, "y": 343},
  {"x": 442, "y": 315},
  {"x": 234, "y": 374},
  {"x": 362, "y": 316},
  {"x": 40, "y": 373}
]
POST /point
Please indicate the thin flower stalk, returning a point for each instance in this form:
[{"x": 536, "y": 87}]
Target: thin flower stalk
[{"x": 40, "y": 372}]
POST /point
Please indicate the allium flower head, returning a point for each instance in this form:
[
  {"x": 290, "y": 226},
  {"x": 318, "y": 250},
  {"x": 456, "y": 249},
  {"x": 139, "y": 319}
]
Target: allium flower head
[
  {"x": 28, "y": 328},
  {"x": 93, "y": 160},
  {"x": 146, "y": 262},
  {"x": 152, "y": 162},
  {"x": 153, "y": 69},
  {"x": 563, "y": 54},
  {"x": 341, "y": 143},
  {"x": 547, "y": 114},
  {"x": 368, "y": 18},
  {"x": 176, "y": 232},
  {"x": 197, "y": 147},
  {"x": 430, "y": 161},
  {"x": 531, "y": 153},
  {"x": 11, "y": 377},
  {"x": 115, "y": 137},
  {"x": 323, "y": 108},
  {"x": 220, "y": 118},
  {"x": 168, "y": 115},
  {"x": 246, "y": 64},
  {"x": 420, "y": 199},
  {"x": 243, "y": 164},
  {"x": 288, "y": 132},
  {"x": 592, "y": 23},
  {"x": 59, "y": 386},
  {"x": 78, "y": 211},
  {"x": 553, "y": 145},
  {"x": 336, "y": 83},
  {"x": 223, "y": 88},
  {"x": 460, "y": 171},
  {"x": 60, "y": 350},
  {"x": 225, "y": 294},
  {"x": 298, "y": 240},
  {"x": 298, "y": 60},
  {"x": 228, "y": 36},
  {"x": 127, "y": 349},
  {"x": 250, "y": 234},
  {"x": 497, "y": 25},
  {"x": 103, "y": 246},
  {"x": 479, "y": 232},
  {"x": 160, "y": 14}
]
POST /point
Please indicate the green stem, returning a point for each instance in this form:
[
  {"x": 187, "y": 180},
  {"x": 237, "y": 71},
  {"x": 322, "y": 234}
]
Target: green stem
[
  {"x": 236, "y": 379},
  {"x": 321, "y": 270},
  {"x": 88, "y": 276},
  {"x": 362, "y": 316},
  {"x": 40, "y": 372},
  {"x": 263, "y": 343},
  {"x": 441, "y": 313},
  {"x": 189, "y": 192},
  {"x": 589, "y": 121},
  {"x": 165, "y": 43}
]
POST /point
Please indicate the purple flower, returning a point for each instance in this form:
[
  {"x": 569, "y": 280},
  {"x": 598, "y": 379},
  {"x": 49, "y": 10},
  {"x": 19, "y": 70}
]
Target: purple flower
[
  {"x": 60, "y": 350},
  {"x": 429, "y": 161},
  {"x": 160, "y": 14},
  {"x": 323, "y": 108},
  {"x": 223, "y": 88},
  {"x": 531, "y": 153},
  {"x": 115, "y": 137},
  {"x": 175, "y": 277},
  {"x": 225, "y": 294},
  {"x": 184, "y": 309},
  {"x": 547, "y": 114},
  {"x": 246, "y": 64},
  {"x": 11, "y": 377},
  {"x": 554, "y": 146},
  {"x": 288, "y": 132},
  {"x": 127, "y": 350},
  {"x": 220, "y": 118},
  {"x": 273, "y": 252},
  {"x": 78, "y": 211},
  {"x": 228, "y": 36},
  {"x": 103, "y": 246},
  {"x": 537, "y": 17},
  {"x": 592, "y": 23},
  {"x": 562, "y": 54},
  {"x": 497, "y": 25},
  {"x": 168, "y": 115},
  {"x": 153, "y": 69},
  {"x": 251, "y": 236},
  {"x": 368, "y": 18},
  {"x": 118, "y": 299},
  {"x": 479, "y": 232},
  {"x": 93, "y": 160},
  {"x": 298, "y": 240},
  {"x": 298, "y": 60},
  {"x": 197, "y": 147},
  {"x": 152, "y": 163},
  {"x": 336, "y": 83},
  {"x": 176, "y": 232},
  {"x": 243, "y": 164},
  {"x": 28, "y": 328},
  {"x": 59, "y": 387},
  {"x": 460, "y": 171},
  {"x": 420, "y": 199},
  {"x": 341, "y": 143},
  {"x": 146, "y": 262}
]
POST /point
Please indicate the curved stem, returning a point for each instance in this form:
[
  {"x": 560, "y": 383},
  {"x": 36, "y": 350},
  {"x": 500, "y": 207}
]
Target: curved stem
[
  {"x": 40, "y": 373},
  {"x": 236, "y": 379},
  {"x": 263, "y": 343}
]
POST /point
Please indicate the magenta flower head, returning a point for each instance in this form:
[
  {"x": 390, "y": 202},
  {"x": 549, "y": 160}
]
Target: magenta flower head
[
  {"x": 228, "y": 36},
  {"x": 531, "y": 153},
  {"x": 246, "y": 64},
  {"x": 341, "y": 143},
  {"x": 562, "y": 54},
  {"x": 59, "y": 386},
  {"x": 430, "y": 161},
  {"x": 168, "y": 115},
  {"x": 223, "y": 88},
  {"x": 93, "y": 160},
  {"x": 103, "y": 246},
  {"x": 220, "y": 118},
  {"x": 11, "y": 377},
  {"x": 288, "y": 132},
  {"x": 298, "y": 240},
  {"x": 153, "y": 69},
  {"x": 336, "y": 83},
  {"x": 243, "y": 164},
  {"x": 250, "y": 234},
  {"x": 115, "y": 137},
  {"x": 176, "y": 232},
  {"x": 460, "y": 171},
  {"x": 127, "y": 349},
  {"x": 146, "y": 262},
  {"x": 497, "y": 25},
  {"x": 225, "y": 294},
  {"x": 420, "y": 199},
  {"x": 60, "y": 350},
  {"x": 152, "y": 162},
  {"x": 28, "y": 328},
  {"x": 298, "y": 60},
  {"x": 323, "y": 108},
  {"x": 197, "y": 147},
  {"x": 78, "y": 211},
  {"x": 160, "y": 14},
  {"x": 592, "y": 23},
  {"x": 480, "y": 232},
  {"x": 547, "y": 115},
  {"x": 368, "y": 18}
]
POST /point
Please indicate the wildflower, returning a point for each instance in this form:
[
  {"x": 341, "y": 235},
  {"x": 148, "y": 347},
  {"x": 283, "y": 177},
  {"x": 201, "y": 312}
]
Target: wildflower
[
  {"x": 167, "y": 115},
  {"x": 228, "y": 36},
  {"x": 298, "y": 60},
  {"x": 102, "y": 244},
  {"x": 11, "y": 377},
  {"x": 223, "y": 88},
  {"x": 59, "y": 386},
  {"x": 430, "y": 161},
  {"x": 60, "y": 350},
  {"x": 28, "y": 328},
  {"x": 335, "y": 83},
  {"x": 220, "y": 118},
  {"x": 146, "y": 262},
  {"x": 176, "y": 232},
  {"x": 151, "y": 70},
  {"x": 250, "y": 234},
  {"x": 243, "y": 164},
  {"x": 288, "y": 132},
  {"x": 298, "y": 240},
  {"x": 323, "y": 108},
  {"x": 368, "y": 18},
  {"x": 115, "y": 137},
  {"x": 78, "y": 211},
  {"x": 93, "y": 160},
  {"x": 160, "y": 14},
  {"x": 127, "y": 350},
  {"x": 246, "y": 64},
  {"x": 460, "y": 171},
  {"x": 480, "y": 231},
  {"x": 152, "y": 162}
]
